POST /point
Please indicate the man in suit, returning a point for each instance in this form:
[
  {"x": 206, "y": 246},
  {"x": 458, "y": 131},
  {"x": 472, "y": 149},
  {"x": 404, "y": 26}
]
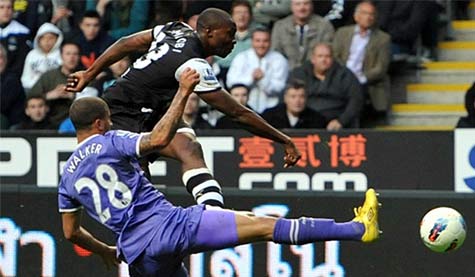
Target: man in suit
[
  {"x": 294, "y": 112},
  {"x": 295, "y": 35},
  {"x": 365, "y": 50}
]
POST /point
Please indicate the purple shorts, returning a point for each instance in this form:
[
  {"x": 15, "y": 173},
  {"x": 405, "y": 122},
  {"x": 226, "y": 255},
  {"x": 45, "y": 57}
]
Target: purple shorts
[{"x": 189, "y": 231}]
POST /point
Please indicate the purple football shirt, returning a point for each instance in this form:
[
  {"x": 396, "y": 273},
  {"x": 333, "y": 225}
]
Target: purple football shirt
[{"x": 103, "y": 176}]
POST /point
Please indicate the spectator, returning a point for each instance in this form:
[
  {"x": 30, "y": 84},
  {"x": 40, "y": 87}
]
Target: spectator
[
  {"x": 241, "y": 13},
  {"x": 52, "y": 84},
  {"x": 294, "y": 113},
  {"x": 36, "y": 111},
  {"x": 66, "y": 127},
  {"x": 295, "y": 35},
  {"x": 110, "y": 76},
  {"x": 332, "y": 89},
  {"x": 405, "y": 21},
  {"x": 12, "y": 96},
  {"x": 121, "y": 17},
  {"x": 263, "y": 70},
  {"x": 44, "y": 56},
  {"x": 338, "y": 12},
  {"x": 191, "y": 113},
  {"x": 192, "y": 20},
  {"x": 240, "y": 93},
  {"x": 469, "y": 120},
  {"x": 461, "y": 9},
  {"x": 92, "y": 40},
  {"x": 67, "y": 14},
  {"x": 14, "y": 37},
  {"x": 365, "y": 50},
  {"x": 267, "y": 12},
  {"x": 33, "y": 14},
  {"x": 164, "y": 11}
]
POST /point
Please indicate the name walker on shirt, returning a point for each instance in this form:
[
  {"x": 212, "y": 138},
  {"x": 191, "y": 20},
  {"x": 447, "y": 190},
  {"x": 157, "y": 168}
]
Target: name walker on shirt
[{"x": 81, "y": 154}]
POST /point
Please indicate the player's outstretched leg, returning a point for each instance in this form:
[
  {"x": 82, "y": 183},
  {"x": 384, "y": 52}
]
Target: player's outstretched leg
[
  {"x": 224, "y": 228},
  {"x": 196, "y": 176}
]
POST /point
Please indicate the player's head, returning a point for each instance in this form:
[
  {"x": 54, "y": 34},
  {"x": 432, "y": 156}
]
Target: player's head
[
  {"x": 216, "y": 30},
  {"x": 90, "y": 114}
]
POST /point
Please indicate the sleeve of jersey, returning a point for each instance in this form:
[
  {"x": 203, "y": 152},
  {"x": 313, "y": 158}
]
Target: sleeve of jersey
[
  {"x": 66, "y": 203},
  {"x": 208, "y": 81},
  {"x": 127, "y": 143}
]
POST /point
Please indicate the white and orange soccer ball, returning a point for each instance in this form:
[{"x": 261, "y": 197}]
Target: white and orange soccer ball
[{"x": 443, "y": 229}]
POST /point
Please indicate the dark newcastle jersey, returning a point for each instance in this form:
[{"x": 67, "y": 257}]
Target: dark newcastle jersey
[{"x": 152, "y": 81}]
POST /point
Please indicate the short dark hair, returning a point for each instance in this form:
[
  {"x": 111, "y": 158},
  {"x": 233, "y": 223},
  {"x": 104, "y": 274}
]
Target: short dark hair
[
  {"x": 260, "y": 29},
  {"x": 295, "y": 84},
  {"x": 213, "y": 18},
  {"x": 91, "y": 13},
  {"x": 67, "y": 42},
  {"x": 245, "y": 3},
  {"x": 34, "y": 96},
  {"x": 84, "y": 111},
  {"x": 239, "y": 86}
]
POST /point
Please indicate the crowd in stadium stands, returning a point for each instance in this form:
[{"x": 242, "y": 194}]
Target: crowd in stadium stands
[
  {"x": 300, "y": 63},
  {"x": 469, "y": 120}
]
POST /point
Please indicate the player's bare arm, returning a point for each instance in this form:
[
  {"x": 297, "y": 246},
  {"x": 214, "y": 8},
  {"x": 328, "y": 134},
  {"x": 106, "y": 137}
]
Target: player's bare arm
[
  {"x": 78, "y": 235},
  {"x": 165, "y": 129},
  {"x": 253, "y": 123},
  {"x": 124, "y": 46}
]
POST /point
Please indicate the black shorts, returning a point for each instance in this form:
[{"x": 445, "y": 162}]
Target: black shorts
[
  {"x": 133, "y": 117},
  {"x": 138, "y": 123}
]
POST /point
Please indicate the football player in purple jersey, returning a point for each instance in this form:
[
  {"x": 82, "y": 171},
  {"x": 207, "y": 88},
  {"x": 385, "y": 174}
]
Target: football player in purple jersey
[
  {"x": 103, "y": 177},
  {"x": 143, "y": 94}
]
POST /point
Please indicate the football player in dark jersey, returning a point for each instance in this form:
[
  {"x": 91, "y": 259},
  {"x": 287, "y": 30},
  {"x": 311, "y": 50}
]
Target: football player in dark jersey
[{"x": 144, "y": 92}]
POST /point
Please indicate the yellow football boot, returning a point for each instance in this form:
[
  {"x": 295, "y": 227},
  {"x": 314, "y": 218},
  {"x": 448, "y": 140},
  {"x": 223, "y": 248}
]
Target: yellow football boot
[{"x": 368, "y": 215}]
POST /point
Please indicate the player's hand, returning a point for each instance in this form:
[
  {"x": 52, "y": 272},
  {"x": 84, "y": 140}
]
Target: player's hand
[
  {"x": 77, "y": 81},
  {"x": 109, "y": 257},
  {"x": 189, "y": 78},
  {"x": 292, "y": 155}
]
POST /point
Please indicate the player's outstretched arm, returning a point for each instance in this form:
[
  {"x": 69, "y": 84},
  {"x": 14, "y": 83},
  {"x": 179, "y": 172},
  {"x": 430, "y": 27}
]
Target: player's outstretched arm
[
  {"x": 165, "y": 129},
  {"x": 78, "y": 235},
  {"x": 253, "y": 123},
  {"x": 136, "y": 42}
]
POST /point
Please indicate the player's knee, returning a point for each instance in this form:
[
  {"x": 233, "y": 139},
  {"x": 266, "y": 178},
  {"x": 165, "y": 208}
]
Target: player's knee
[{"x": 192, "y": 150}]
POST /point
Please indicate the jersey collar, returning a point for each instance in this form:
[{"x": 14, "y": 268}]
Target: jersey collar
[{"x": 86, "y": 140}]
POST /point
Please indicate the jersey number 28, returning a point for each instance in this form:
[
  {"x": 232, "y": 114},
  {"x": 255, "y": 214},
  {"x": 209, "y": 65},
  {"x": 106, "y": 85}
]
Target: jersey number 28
[{"x": 107, "y": 179}]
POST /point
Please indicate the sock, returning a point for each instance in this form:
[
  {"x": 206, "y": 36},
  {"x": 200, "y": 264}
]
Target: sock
[
  {"x": 204, "y": 188},
  {"x": 306, "y": 230}
]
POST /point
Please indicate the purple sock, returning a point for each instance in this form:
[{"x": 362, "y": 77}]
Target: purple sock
[
  {"x": 217, "y": 230},
  {"x": 306, "y": 230}
]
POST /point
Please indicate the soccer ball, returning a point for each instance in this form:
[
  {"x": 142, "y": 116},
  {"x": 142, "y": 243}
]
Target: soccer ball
[{"x": 443, "y": 229}]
